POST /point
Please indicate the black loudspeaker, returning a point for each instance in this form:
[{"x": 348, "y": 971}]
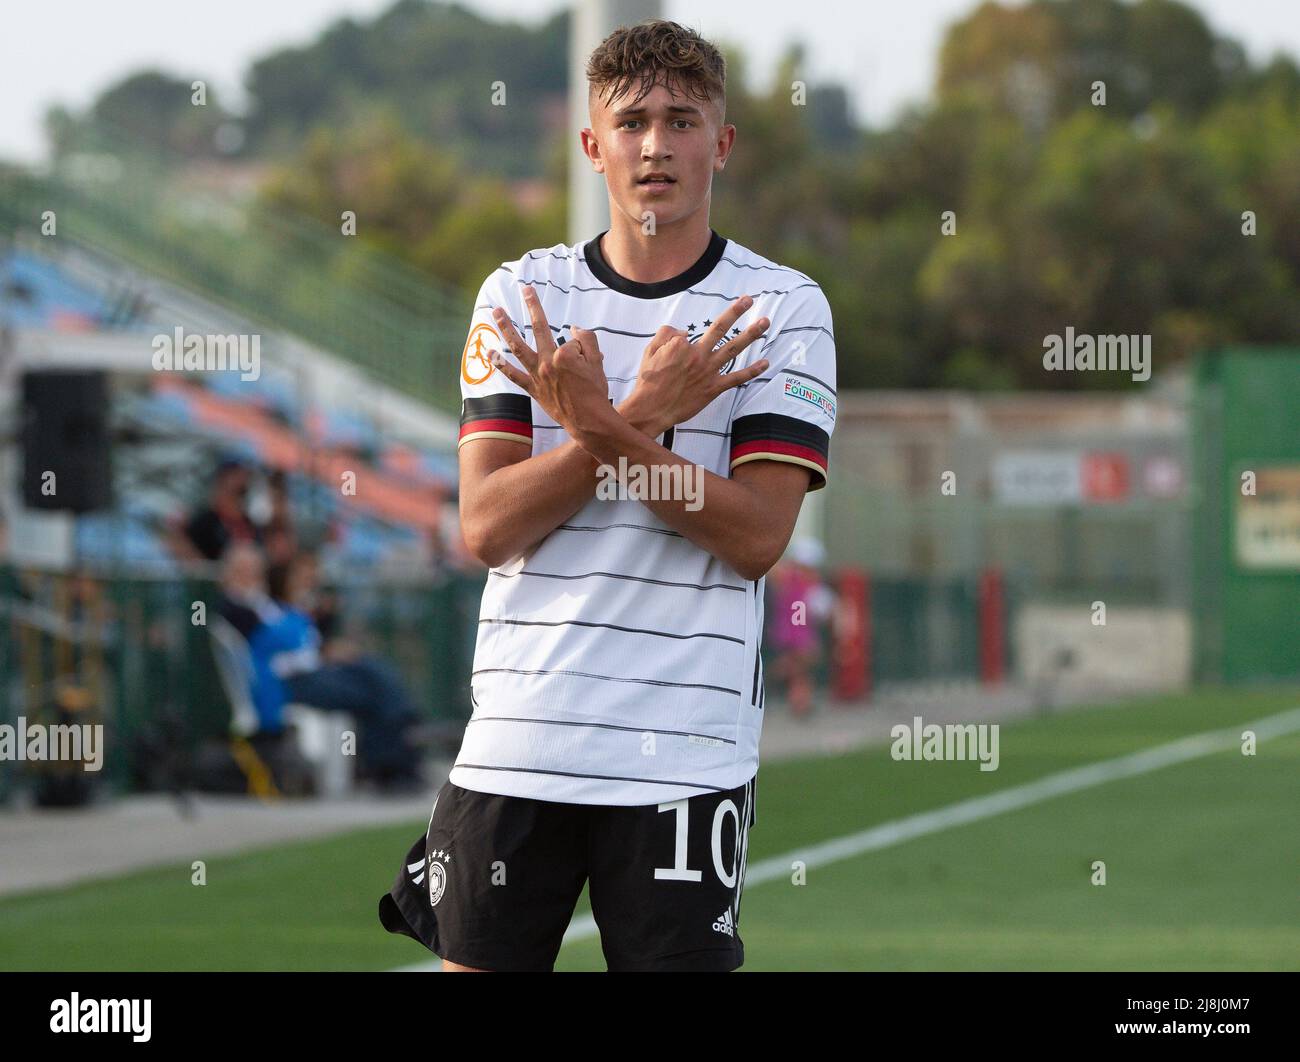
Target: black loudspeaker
[{"x": 65, "y": 431}]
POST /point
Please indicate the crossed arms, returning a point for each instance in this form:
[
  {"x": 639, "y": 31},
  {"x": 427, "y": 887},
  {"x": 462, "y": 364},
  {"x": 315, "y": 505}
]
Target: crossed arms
[{"x": 510, "y": 500}]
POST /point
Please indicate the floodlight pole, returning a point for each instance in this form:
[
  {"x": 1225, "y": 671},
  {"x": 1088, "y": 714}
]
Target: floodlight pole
[{"x": 592, "y": 22}]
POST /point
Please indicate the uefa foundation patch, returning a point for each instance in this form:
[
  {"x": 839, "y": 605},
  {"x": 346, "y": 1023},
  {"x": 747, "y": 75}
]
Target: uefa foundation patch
[{"x": 797, "y": 390}]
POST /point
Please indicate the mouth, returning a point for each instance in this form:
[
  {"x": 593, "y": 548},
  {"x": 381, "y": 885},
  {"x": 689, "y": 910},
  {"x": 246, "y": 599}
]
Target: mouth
[{"x": 657, "y": 182}]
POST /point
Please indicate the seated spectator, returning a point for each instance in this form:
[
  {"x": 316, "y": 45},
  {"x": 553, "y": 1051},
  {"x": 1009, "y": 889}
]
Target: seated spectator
[
  {"x": 297, "y": 582},
  {"x": 288, "y": 669},
  {"x": 279, "y": 534},
  {"x": 224, "y": 519}
]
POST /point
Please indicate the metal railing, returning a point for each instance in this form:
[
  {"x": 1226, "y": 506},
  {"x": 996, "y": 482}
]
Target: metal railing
[
  {"x": 274, "y": 268},
  {"x": 137, "y": 652}
]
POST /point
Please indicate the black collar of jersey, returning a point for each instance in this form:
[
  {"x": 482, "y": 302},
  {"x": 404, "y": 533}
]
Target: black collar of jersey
[{"x": 660, "y": 288}]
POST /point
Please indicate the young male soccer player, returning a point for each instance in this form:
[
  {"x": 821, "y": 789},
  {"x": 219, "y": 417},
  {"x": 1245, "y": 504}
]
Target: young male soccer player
[{"x": 617, "y": 687}]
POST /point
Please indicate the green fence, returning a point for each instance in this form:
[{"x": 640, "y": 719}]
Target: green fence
[
  {"x": 1247, "y": 534},
  {"x": 147, "y": 668},
  {"x": 138, "y": 648},
  {"x": 922, "y": 630}
]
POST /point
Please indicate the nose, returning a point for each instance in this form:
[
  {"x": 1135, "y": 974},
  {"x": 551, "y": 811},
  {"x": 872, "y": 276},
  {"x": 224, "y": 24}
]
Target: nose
[{"x": 655, "y": 145}]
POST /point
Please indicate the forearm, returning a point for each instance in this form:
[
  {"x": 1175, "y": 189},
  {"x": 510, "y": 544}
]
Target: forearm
[
  {"x": 718, "y": 514},
  {"x": 518, "y": 505}
]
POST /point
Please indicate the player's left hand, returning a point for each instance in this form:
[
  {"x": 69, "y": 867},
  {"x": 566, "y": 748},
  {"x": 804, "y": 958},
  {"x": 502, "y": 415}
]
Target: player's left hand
[{"x": 567, "y": 381}]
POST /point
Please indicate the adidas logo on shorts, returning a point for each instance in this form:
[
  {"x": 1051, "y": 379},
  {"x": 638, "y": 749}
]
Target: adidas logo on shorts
[{"x": 724, "y": 924}]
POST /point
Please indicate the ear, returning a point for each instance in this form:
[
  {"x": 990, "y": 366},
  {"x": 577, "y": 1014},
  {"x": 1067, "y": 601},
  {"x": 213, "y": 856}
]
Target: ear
[
  {"x": 591, "y": 148},
  {"x": 726, "y": 141}
]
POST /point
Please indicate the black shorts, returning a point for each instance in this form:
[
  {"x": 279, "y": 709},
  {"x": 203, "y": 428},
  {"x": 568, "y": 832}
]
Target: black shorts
[{"x": 494, "y": 882}]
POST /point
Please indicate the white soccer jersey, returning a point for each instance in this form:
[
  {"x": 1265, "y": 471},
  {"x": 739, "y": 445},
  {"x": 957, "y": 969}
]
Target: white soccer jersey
[{"x": 618, "y": 662}]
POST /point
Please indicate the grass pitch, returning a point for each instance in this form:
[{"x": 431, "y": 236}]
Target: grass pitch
[{"x": 1200, "y": 860}]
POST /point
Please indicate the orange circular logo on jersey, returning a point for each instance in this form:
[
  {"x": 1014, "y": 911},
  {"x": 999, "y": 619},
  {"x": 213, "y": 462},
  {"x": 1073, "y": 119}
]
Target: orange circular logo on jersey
[{"x": 475, "y": 366}]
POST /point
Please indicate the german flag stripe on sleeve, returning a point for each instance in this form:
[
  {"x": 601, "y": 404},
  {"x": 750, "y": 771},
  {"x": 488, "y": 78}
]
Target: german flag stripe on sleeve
[
  {"x": 774, "y": 437},
  {"x": 502, "y": 416}
]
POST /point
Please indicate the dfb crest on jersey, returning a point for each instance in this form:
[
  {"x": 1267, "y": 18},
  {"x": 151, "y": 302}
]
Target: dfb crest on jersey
[
  {"x": 437, "y": 876},
  {"x": 724, "y": 340}
]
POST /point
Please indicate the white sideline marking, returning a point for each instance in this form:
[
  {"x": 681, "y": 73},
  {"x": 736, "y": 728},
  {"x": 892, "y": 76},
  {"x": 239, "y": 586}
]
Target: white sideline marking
[{"x": 966, "y": 811}]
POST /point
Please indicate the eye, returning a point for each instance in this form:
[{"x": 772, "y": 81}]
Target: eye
[{"x": 628, "y": 121}]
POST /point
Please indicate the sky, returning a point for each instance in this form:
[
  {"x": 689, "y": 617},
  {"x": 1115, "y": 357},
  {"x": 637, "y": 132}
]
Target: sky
[{"x": 67, "y": 51}]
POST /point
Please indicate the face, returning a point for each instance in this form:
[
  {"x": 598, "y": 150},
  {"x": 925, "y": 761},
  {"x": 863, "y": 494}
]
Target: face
[
  {"x": 234, "y": 482},
  {"x": 245, "y": 571},
  {"x": 674, "y": 134}
]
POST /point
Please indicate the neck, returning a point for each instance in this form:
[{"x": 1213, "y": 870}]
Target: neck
[{"x": 673, "y": 249}]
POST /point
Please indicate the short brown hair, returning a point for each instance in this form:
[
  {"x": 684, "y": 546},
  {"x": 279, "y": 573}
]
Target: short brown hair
[{"x": 658, "y": 51}]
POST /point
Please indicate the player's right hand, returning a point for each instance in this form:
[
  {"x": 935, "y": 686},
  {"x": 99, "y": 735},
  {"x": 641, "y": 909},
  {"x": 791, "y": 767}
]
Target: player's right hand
[
  {"x": 567, "y": 381},
  {"x": 678, "y": 378}
]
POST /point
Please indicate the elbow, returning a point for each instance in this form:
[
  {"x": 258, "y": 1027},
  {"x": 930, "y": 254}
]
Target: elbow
[
  {"x": 490, "y": 555},
  {"x": 482, "y": 543},
  {"x": 760, "y": 560}
]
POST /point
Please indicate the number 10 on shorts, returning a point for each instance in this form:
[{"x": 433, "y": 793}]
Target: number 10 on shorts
[{"x": 679, "y": 871}]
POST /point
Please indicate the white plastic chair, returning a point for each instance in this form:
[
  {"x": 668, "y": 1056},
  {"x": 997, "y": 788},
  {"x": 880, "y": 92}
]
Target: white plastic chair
[{"x": 319, "y": 734}]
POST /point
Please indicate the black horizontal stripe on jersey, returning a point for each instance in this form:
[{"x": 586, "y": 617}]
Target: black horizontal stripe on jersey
[
  {"x": 495, "y": 306},
  {"x": 499, "y": 416},
  {"x": 519, "y": 326},
  {"x": 800, "y": 328},
  {"x": 599, "y": 726},
  {"x": 554, "y": 254},
  {"x": 752, "y": 294},
  {"x": 781, "y": 268},
  {"x": 638, "y": 527},
  {"x": 595, "y": 328},
  {"x": 559, "y": 330},
  {"x": 603, "y": 678},
  {"x": 789, "y": 372},
  {"x": 542, "y": 281},
  {"x": 535, "y": 257},
  {"x": 598, "y": 777},
  {"x": 723, "y": 258},
  {"x": 777, "y": 427},
  {"x": 527, "y": 327},
  {"x": 619, "y": 575},
  {"x": 762, "y": 380},
  {"x": 522, "y": 327},
  {"x": 612, "y": 627},
  {"x": 810, "y": 376},
  {"x": 702, "y": 431},
  {"x": 497, "y": 407}
]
